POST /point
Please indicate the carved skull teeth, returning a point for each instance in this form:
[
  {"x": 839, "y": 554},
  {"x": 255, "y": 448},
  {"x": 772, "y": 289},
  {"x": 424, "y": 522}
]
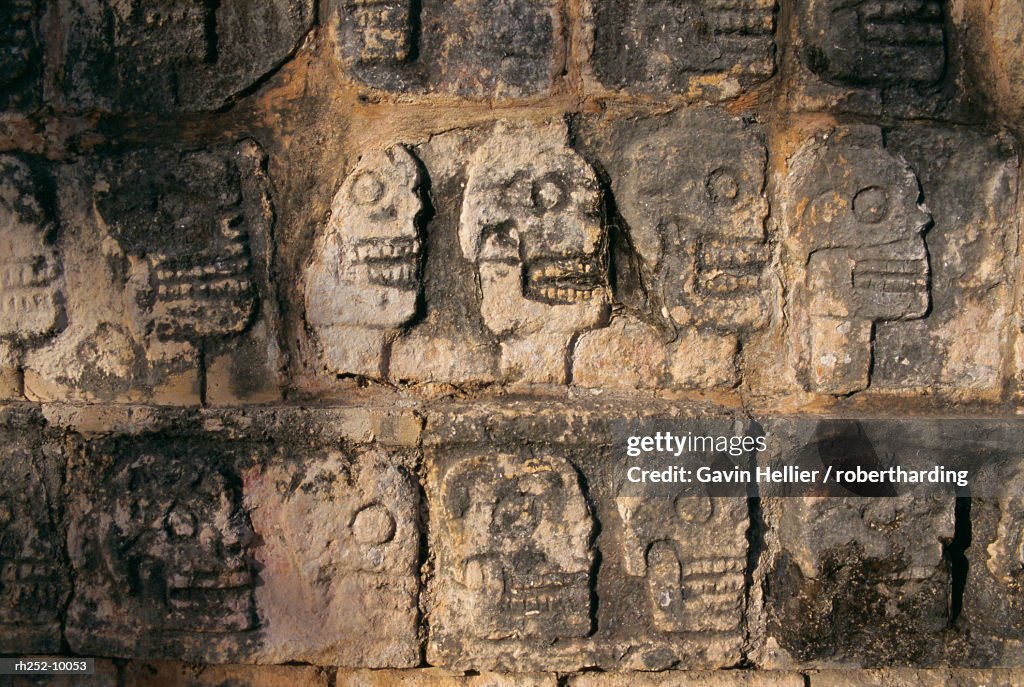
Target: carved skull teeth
[
  {"x": 397, "y": 275},
  {"x": 27, "y": 274},
  {"x": 374, "y": 250},
  {"x": 26, "y": 301}
]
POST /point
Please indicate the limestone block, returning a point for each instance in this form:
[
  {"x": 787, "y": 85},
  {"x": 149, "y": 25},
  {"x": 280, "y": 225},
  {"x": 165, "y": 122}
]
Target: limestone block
[
  {"x": 476, "y": 48},
  {"x": 706, "y": 49},
  {"x": 31, "y": 283},
  {"x": 363, "y": 278},
  {"x": 168, "y": 674},
  {"x": 730, "y": 678},
  {"x": 163, "y": 560},
  {"x": 855, "y": 254},
  {"x": 694, "y": 211},
  {"x": 858, "y": 581},
  {"x": 628, "y": 354},
  {"x": 338, "y": 560},
  {"x": 912, "y": 678},
  {"x": 21, "y": 55},
  {"x": 433, "y": 677},
  {"x": 997, "y": 51},
  {"x": 531, "y": 223},
  {"x": 170, "y": 278},
  {"x": 994, "y": 593},
  {"x": 175, "y": 57},
  {"x": 968, "y": 182},
  {"x": 34, "y": 580},
  {"x": 514, "y": 561},
  {"x": 876, "y": 58}
]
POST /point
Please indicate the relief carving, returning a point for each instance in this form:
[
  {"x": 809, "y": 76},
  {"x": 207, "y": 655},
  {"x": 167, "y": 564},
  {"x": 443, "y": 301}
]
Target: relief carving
[
  {"x": 164, "y": 561},
  {"x": 20, "y": 53},
  {"x": 717, "y": 46},
  {"x": 855, "y": 232},
  {"x": 692, "y": 554},
  {"x": 875, "y": 43},
  {"x": 31, "y": 296},
  {"x": 516, "y": 549},
  {"x": 363, "y": 281},
  {"x": 33, "y": 580},
  {"x": 379, "y": 31},
  {"x": 532, "y": 224},
  {"x": 339, "y": 560}
]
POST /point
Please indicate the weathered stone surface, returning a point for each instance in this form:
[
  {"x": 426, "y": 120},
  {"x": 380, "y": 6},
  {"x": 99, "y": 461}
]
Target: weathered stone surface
[
  {"x": 514, "y": 559},
  {"x": 165, "y": 673},
  {"x": 34, "y": 580},
  {"x": 855, "y": 254},
  {"x": 170, "y": 272},
  {"x": 912, "y": 678},
  {"x": 531, "y": 224},
  {"x": 730, "y": 678},
  {"x": 433, "y": 677},
  {"x": 628, "y": 354},
  {"x": 338, "y": 560},
  {"x": 163, "y": 563},
  {"x": 504, "y": 49},
  {"x": 21, "y": 55},
  {"x": 182, "y": 56},
  {"x": 997, "y": 52},
  {"x": 707, "y": 48},
  {"x": 853, "y": 581},
  {"x": 363, "y": 280},
  {"x": 969, "y": 181},
  {"x": 874, "y": 57},
  {"x": 105, "y": 674},
  {"x": 31, "y": 293},
  {"x": 994, "y": 594},
  {"x": 694, "y": 210}
]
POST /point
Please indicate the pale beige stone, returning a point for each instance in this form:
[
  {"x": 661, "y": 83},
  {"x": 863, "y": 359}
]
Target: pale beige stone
[
  {"x": 628, "y": 354},
  {"x": 435, "y": 677},
  {"x": 423, "y": 358},
  {"x": 721, "y": 678},
  {"x": 704, "y": 360}
]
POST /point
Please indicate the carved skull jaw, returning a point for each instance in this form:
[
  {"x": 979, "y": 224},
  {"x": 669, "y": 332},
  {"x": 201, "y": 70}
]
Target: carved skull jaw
[
  {"x": 878, "y": 44},
  {"x": 29, "y": 579},
  {"x": 31, "y": 302}
]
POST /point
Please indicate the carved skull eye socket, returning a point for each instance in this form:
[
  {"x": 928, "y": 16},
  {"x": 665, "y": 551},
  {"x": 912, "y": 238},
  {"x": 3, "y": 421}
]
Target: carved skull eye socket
[
  {"x": 181, "y": 523},
  {"x": 548, "y": 193},
  {"x": 695, "y": 509},
  {"x": 722, "y": 186},
  {"x": 367, "y": 188},
  {"x": 871, "y": 204},
  {"x": 516, "y": 512},
  {"x": 373, "y": 525}
]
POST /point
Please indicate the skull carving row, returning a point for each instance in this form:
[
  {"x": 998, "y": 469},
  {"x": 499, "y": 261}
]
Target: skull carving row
[{"x": 532, "y": 226}]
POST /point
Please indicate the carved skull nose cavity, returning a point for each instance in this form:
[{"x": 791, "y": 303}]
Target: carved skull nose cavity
[
  {"x": 722, "y": 186},
  {"x": 871, "y": 205},
  {"x": 367, "y": 188}
]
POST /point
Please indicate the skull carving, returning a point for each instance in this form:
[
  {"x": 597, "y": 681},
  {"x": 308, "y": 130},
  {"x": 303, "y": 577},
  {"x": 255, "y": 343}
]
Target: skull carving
[
  {"x": 382, "y": 30},
  {"x": 172, "y": 548},
  {"x": 31, "y": 300},
  {"x": 856, "y": 227},
  {"x": 696, "y": 210},
  {"x": 182, "y": 220},
  {"x": 519, "y": 546},
  {"x": 18, "y": 42},
  {"x": 875, "y": 44},
  {"x": 362, "y": 282},
  {"x": 531, "y": 223}
]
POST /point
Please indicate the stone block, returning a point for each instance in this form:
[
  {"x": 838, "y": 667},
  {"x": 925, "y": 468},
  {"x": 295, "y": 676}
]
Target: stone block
[
  {"x": 855, "y": 254},
  {"x": 473, "y": 48},
  {"x": 169, "y": 279},
  {"x": 628, "y": 354},
  {"x": 968, "y": 183},
  {"x": 105, "y": 674},
  {"x": 218, "y": 550},
  {"x": 708, "y": 49},
  {"x": 434, "y": 677},
  {"x": 338, "y": 559},
  {"x": 363, "y": 280},
  {"x": 31, "y": 280},
  {"x": 730, "y": 678},
  {"x": 168, "y": 674},
  {"x": 858, "y": 581},
  {"x": 178, "y": 56},
  {"x": 21, "y": 55},
  {"x": 34, "y": 579}
]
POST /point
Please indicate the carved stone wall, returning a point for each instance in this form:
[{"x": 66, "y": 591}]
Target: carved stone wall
[{"x": 321, "y": 322}]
